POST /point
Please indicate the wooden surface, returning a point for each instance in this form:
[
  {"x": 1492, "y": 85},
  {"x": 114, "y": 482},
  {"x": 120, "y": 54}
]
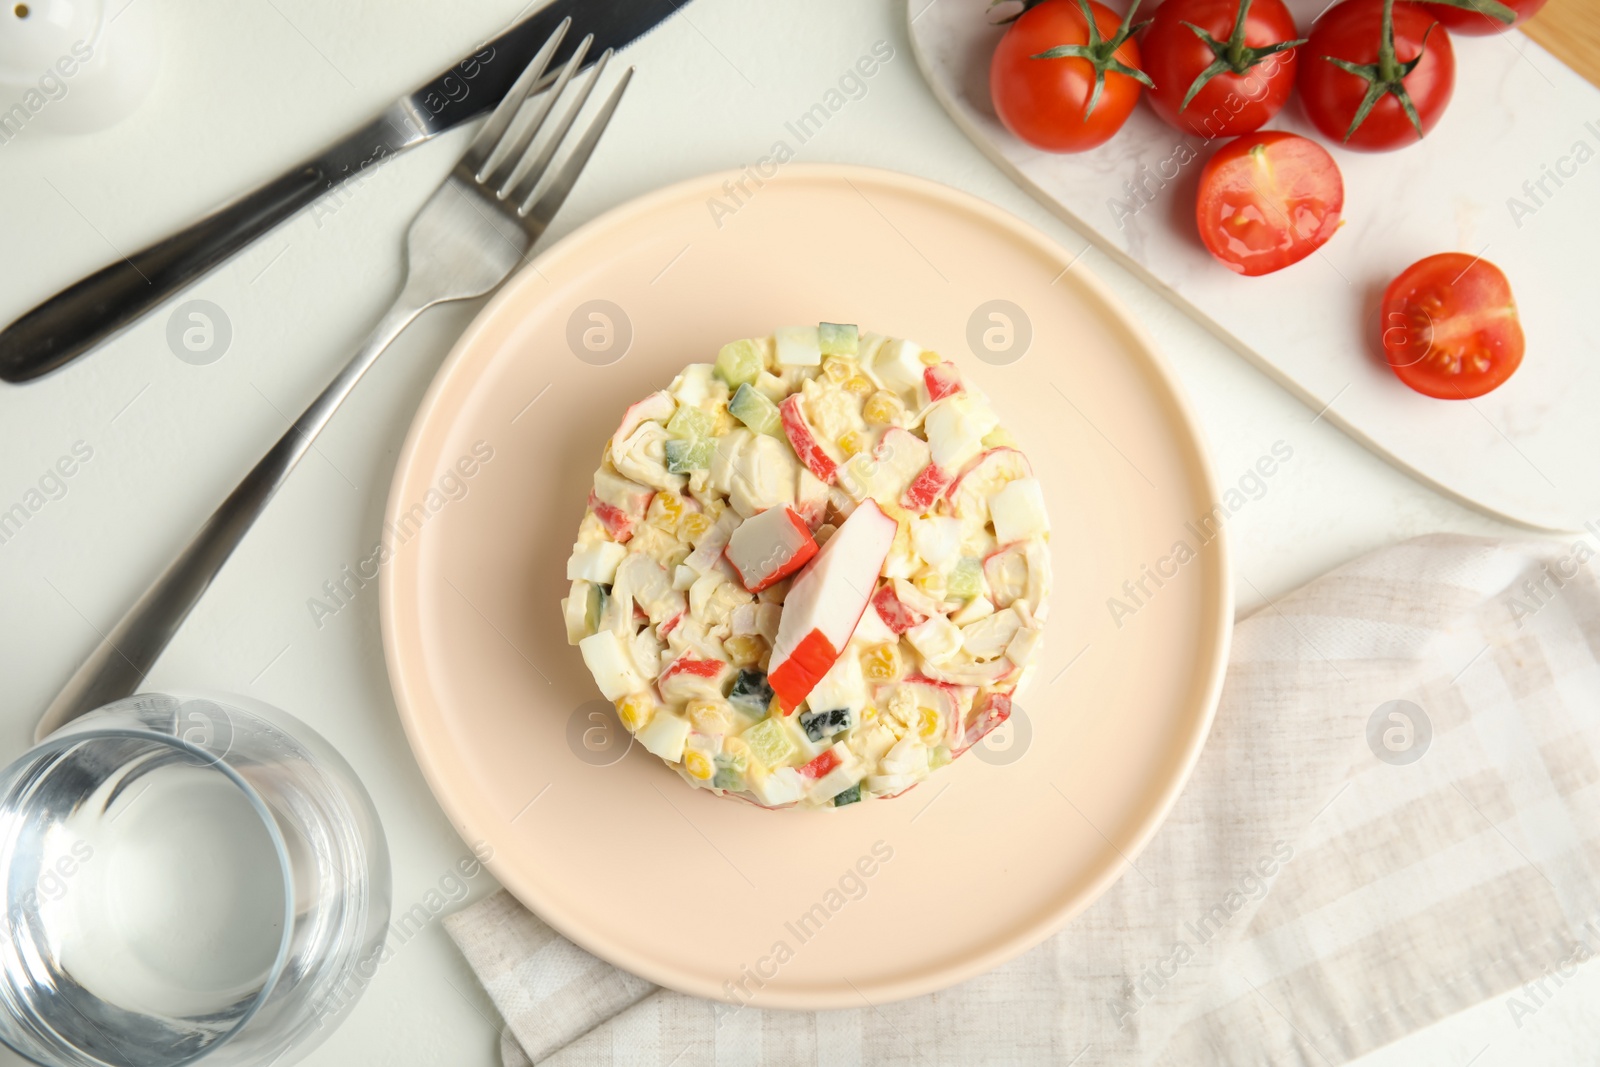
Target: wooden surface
[{"x": 1570, "y": 30}]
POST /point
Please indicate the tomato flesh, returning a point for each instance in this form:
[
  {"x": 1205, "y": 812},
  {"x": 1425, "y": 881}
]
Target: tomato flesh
[
  {"x": 1450, "y": 327},
  {"x": 1228, "y": 104},
  {"x": 1352, "y": 31},
  {"x": 1268, "y": 200},
  {"x": 1043, "y": 101}
]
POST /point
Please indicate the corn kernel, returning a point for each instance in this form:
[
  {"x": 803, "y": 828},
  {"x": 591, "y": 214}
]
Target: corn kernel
[
  {"x": 744, "y": 649},
  {"x": 693, "y": 526},
  {"x": 927, "y": 723},
  {"x": 838, "y": 370},
  {"x": 852, "y": 443},
  {"x": 881, "y": 664},
  {"x": 930, "y": 359},
  {"x": 635, "y": 710},
  {"x": 710, "y": 716},
  {"x": 665, "y": 510},
  {"x": 698, "y": 764},
  {"x": 931, "y": 582},
  {"x": 860, "y": 385},
  {"x": 881, "y": 409}
]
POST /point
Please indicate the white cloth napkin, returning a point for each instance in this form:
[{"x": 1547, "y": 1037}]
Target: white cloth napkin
[{"x": 1318, "y": 890}]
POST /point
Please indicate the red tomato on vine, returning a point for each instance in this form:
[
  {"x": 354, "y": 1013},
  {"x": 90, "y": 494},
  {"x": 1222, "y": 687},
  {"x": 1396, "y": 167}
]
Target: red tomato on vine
[
  {"x": 1221, "y": 67},
  {"x": 1377, "y": 74},
  {"x": 1066, "y": 75}
]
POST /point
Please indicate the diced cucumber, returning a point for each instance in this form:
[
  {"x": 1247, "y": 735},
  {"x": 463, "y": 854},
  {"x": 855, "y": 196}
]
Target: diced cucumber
[
  {"x": 691, "y": 455},
  {"x": 751, "y": 694},
  {"x": 849, "y": 796},
  {"x": 772, "y": 387},
  {"x": 838, "y": 339},
  {"x": 690, "y": 423},
  {"x": 966, "y": 578},
  {"x": 938, "y": 758},
  {"x": 821, "y": 725},
  {"x": 756, "y": 411},
  {"x": 739, "y": 362},
  {"x": 770, "y": 743},
  {"x": 730, "y": 772},
  {"x": 598, "y": 595}
]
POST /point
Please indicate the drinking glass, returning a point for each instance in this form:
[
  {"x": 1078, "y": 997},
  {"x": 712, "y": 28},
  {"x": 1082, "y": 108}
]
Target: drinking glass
[{"x": 186, "y": 878}]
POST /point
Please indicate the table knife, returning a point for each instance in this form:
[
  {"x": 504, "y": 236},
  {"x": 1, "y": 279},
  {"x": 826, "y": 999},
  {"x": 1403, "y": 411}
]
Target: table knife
[{"x": 81, "y": 316}]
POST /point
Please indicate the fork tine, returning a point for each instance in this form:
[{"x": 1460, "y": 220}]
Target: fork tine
[
  {"x": 526, "y": 176},
  {"x": 482, "y": 148},
  {"x": 517, "y": 139},
  {"x": 538, "y": 215}
]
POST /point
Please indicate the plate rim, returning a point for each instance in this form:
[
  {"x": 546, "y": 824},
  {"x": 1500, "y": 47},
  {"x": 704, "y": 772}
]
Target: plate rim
[{"x": 462, "y": 810}]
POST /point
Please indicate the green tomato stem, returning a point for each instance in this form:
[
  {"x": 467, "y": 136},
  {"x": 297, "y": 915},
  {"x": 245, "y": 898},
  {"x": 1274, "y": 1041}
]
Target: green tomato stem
[
  {"x": 1101, "y": 54},
  {"x": 1232, "y": 54},
  {"x": 1236, "y": 49}
]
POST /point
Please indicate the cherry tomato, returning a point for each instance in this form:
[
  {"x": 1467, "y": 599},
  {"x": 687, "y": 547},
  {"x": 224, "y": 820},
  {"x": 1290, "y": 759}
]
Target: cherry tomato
[
  {"x": 1478, "y": 24},
  {"x": 1062, "y": 83},
  {"x": 1230, "y": 81},
  {"x": 1392, "y": 67},
  {"x": 1267, "y": 200},
  {"x": 1450, "y": 326}
]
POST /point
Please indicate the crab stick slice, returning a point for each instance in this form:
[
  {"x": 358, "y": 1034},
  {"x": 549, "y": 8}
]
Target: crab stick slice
[
  {"x": 928, "y": 486},
  {"x": 892, "y": 610},
  {"x": 941, "y": 380},
  {"x": 769, "y": 547},
  {"x": 658, "y": 407},
  {"x": 992, "y": 710},
  {"x": 804, "y": 441},
  {"x": 827, "y": 601}
]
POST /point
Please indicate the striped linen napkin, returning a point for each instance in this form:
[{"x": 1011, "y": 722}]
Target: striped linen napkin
[{"x": 1395, "y": 819}]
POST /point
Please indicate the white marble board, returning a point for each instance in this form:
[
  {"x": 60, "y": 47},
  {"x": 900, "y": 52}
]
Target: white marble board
[{"x": 1529, "y": 450}]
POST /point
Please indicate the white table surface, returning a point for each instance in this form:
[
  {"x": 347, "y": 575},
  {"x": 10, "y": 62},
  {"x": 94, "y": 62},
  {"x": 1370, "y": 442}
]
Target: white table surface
[{"x": 246, "y": 87}]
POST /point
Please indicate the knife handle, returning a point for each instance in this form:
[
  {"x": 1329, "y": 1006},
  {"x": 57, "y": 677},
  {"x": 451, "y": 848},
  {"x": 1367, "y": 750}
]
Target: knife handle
[{"x": 80, "y": 317}]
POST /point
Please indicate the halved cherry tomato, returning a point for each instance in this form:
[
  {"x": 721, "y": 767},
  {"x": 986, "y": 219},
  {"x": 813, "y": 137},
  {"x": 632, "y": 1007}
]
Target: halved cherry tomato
[
  {"x": 1221, "y": 67},
  {"x": 1376, "y": 82},
  {"x": 1482, "y": 23},
  {"x": 1061, "y": 83},
  {"x": 1450, "y": 326},
  {"x": 1267, "y": 200}
]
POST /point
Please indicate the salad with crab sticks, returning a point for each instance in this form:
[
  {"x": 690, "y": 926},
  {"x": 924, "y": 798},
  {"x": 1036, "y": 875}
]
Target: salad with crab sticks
[{"x": 811, "y": 572}]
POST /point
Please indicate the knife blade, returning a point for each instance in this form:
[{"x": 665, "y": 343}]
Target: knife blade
[{"x": 81, "y": 316}]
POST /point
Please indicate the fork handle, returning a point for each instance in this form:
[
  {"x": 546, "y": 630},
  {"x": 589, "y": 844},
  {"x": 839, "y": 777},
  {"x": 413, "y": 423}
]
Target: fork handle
[
  {"x": 118, "y": 665},
  {"x": 81, "y": 316}
]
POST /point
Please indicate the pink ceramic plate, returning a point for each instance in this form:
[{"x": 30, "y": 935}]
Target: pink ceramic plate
[{"x": 822, "y": 909}]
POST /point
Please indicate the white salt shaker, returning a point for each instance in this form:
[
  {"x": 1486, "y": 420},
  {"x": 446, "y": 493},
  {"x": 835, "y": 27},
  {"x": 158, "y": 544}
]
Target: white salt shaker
[{"x": 71, "y": 66}]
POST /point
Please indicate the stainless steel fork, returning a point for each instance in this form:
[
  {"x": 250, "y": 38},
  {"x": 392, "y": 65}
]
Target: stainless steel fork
[{"x": 477, "y": 227}]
